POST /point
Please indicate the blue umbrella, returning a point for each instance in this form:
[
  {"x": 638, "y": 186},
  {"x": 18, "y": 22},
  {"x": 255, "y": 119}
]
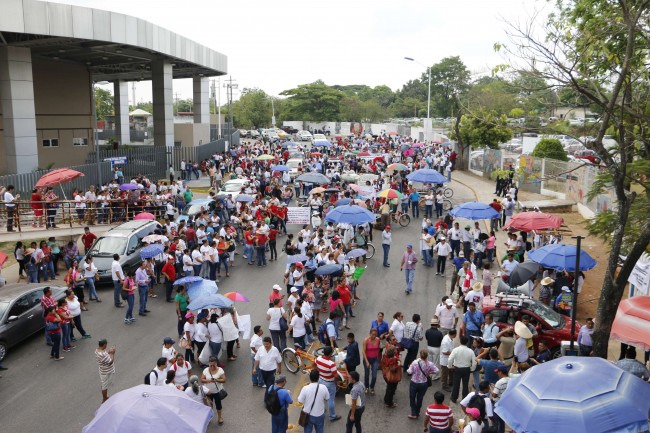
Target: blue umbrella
[
  {"x": 357, "y": 252},
  {"x": 187, "y": 280},
  {"x": 343, "y": 201},
  {"x": 202, "y": 288},
  {"x": 128, "y": 186},
  {"x": 352, "y": 214},
  {"x": 280, "y": 168},
  {"x": 244, "y": 198},
  {"x": 322, "y": 143},
  {"x": 334, "y": 270},
  {"x": 474, "y": 211},
  {"x": 160, "y": 409},
  {"x": 151, "y": 251},
  {"x": 210, "y": 301},
  {"x": 426, "y": 175},
  {"x": 561, "y": 257},
  {"x": 577, "y": 395},
  {"x": 296, "y": 258},
  {"x": 446, "y": 143},
  {"x": 289, "y": 143},
  {"x": 312, "y": 177}
]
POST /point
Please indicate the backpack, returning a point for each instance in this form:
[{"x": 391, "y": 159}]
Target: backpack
[
  {"x": 147, "y": 378},
  {"x": 478, "y": 401},
  {"x": 272, "y": 401},
  {"x": 322, "y": 334}
]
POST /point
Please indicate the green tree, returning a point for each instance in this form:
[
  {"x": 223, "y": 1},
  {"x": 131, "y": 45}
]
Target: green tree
[
  {"x": 550, "y": 148},
  {"x": 184, "y": 106},
  {"x": 316, "y": 101},
  {"x": 449, "y": 80},
  {"x": 146, "y": 106},
  {"x": 409, "y": 107},
  {"x": 104, "y": 103},
  {"x": 491, "y": 94},
  {"x": 604, "y": 42},
  {"x": 384, "y": 95},
  {"x": 253, "y": 109},
  {"x": 483, "y": 129}
]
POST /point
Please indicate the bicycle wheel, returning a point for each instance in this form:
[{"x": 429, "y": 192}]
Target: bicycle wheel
[
  {"x": 291, "y": 361},
  {"x": 447, "y": 205},
  {"x": 371, "y": 250},
  {"x": 448, "y": 192},
  {"x": 404, "y": 220}
]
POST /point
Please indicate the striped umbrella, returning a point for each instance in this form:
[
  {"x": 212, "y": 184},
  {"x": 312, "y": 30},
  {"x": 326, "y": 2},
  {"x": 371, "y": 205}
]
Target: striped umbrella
[
  {"x": 390, "y": 193},
  {"x": 397, "y": 167}
]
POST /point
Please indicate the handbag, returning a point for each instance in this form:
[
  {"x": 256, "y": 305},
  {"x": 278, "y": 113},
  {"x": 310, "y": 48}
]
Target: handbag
[
  {"x": 284, "y": 326},
  {"x": 429, "y": 381},
  {"x": 407, "y": 343},
  {"x": 184, "y": 343},
  {"x": 222, "y": 394},
  {"x": 52, "y": 326},
  {"x": 304, "y": 416}
]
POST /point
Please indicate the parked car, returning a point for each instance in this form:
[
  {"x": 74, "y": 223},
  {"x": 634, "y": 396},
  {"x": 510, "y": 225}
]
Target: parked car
[
  {"x": 304, "y": 136},
  {"x": 125, "y": 240},
  {"x": 289, "y": 129},
  {"x": 588, "y": 155},
  {"x": 293, "y": 165},
  {"x": 194, "y": 207},
  {"x": 243, "y": 133},
  {"x": 551, "y": 326},
  {"x": 233, "y": 187},
  {"x": 320, "y": 137},
  {"x": 21, "y": 314},
  {"x": 254, "y": 133}
]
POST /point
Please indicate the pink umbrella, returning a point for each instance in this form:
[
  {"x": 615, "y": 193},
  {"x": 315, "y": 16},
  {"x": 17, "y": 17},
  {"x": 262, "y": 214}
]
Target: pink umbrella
[
  {"x": 355, "y": 187},
  {"x": 417, "y": 145},
  {"x": 236, "y": 297},
  {"x": 145, "y": 216},
  {"x": 632, "y": 322},
  {"x": 409, "y": 152},
  {"x": 57, "y": 177}
]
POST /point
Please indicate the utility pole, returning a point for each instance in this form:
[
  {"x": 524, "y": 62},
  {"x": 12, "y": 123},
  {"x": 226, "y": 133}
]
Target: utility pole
[
  {"x": 574, "y": 300},
  {"x": 219, "y": 109},
  {"x": 135, "y": 101},
  {"x": 229, "y": 85}
]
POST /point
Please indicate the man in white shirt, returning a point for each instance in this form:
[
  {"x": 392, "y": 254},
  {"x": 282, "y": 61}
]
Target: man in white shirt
[
  {"x": 158, "y": 375},
  {"x": 443, "y": 249},
  {"x": 386, "y": 241},
  {"x": 448, "y": 316},
  {"x": 454, "y": 239},
  {"x": 188, "y": 268},
  {"x": 467, "y": 239},
  {"x": 462, "y": 361},
  {"x": 483, "y": 390},
  {"x": 314, "y": 397},
  {"x": 446, "y": 347},
  {"x": 267, "y": 361},
  {"x": 117, "y": 274},
  {"x": 9, "y": 200},
  {"x": 509, "y": 265}
]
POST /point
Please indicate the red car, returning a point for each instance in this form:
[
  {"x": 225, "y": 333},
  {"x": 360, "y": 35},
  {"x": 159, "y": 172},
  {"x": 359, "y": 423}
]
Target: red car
[
  {"x": 551, "y": 326},
  {"x": 588, "y": 154}
]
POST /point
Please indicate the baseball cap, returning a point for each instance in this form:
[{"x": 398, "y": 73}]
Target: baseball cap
[
  {"x": 472, "y": 411},
  {"x": 168, "y": 340},
  {"x": 449, "y": 302},
  {"x": 409, "y": 246},
  {"x": 300, "y": 265},
  {"x": 293, "y": 290},
  {"x": 189, "y": 314},
  {"x": 277, "y": 287},
  {"x": 387, "y": 227},
  {"x": 502, "y": 368}
]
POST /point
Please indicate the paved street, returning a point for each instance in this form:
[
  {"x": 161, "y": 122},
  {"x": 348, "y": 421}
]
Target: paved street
[{"x": 36, "y": 392}]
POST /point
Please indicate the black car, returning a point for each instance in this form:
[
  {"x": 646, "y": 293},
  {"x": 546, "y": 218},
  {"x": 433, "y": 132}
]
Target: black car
[
  {"x": 289, "y": 129},
  {"x": 21, "y": 314},
  {"x": 125, "y": 240}
]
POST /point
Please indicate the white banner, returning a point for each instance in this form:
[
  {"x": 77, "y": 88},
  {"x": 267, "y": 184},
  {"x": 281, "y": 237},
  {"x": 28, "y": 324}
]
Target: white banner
[
  {"x": 298, "y": 215},
  {"x": 228, "y": 328},
  {"x": 244, "y": 323},
  {"x": 640, "y": 276}
]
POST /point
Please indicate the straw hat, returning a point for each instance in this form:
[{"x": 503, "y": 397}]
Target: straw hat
[
  {"x": 547, "y": 281},
  {"x": 522, "y": 330},
  {"x": 28, "y": 251},
  {"x": 478, "y": 286}
]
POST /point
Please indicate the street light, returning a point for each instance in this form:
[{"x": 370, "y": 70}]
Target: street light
[
  {"x": 411, "y": 59},
  {"x": 95, "y": 132}
]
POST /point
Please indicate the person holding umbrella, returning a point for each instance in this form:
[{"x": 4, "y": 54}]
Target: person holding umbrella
[{"x": 409, "y": 259}]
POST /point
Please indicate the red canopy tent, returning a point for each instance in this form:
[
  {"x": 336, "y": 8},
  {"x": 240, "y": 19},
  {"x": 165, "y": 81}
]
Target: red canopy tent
[
  {"x": 528, "y": 221},
  {"x": 632, "y": 322}
]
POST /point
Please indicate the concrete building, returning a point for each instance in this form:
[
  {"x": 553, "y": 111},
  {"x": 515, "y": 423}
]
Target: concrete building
[{"x": 51, "y": 55}]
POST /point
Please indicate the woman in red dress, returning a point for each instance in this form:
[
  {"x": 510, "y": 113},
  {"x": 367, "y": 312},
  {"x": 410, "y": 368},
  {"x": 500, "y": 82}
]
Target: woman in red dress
[{"x": 37, "y": 207}]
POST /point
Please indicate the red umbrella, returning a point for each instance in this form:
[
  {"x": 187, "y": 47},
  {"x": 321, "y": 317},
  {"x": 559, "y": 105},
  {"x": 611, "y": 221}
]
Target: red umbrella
[
  {"x": 632, "y": 322},
  {"x": 3, "y": 258},
  {"x": 378, "y": 158},
  {"x": 392, "y": 133},
  {"x": 528, "y": 221},
  {"x": 316, "y": 154},
  {"x": 145, "y": 216},
  {"x": 57, "y": 177},
  {"x": 363, "y": 154}
]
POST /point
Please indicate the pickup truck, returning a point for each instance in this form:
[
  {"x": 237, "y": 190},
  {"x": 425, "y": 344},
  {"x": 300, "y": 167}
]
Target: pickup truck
[{"x": 289, "y": 129}]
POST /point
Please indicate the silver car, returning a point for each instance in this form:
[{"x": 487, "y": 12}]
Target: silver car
[{"x": 21, "y": 314}]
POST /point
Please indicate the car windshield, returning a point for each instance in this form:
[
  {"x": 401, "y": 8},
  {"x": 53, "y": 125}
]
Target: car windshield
[
  {"x": 3, "y": 308},
  {"x": 554, "y": 319},
  {"x": 194, "y": 209},
  {"x": 232, "y": 187},
  {"x": 107, "y": 246}
]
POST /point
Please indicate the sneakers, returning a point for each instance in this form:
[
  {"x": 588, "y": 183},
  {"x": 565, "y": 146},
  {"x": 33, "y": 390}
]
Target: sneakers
[
  {"x": 85, "y": 336},
  {"x": 67, "y": 349}
]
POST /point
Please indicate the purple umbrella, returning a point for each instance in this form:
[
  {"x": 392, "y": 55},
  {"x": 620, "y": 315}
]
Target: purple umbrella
[{"x": 128, "y": 186}]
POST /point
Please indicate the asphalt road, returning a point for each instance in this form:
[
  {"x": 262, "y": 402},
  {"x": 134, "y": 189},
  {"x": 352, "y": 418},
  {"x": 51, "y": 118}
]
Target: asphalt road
[{"x": 37, "y": 394}]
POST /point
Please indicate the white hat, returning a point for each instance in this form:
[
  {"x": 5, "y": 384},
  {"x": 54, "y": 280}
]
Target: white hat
[
  {"x": 449, "y": 302},
  {"x": 547, "y": 281},
  {"x": 477, "y": 286},
  {"x": 442, "y": 238},
  {"x": 277, "y": 287},
  {"x": 293, "y": 290},
  {"x": 522, "y": 330}
]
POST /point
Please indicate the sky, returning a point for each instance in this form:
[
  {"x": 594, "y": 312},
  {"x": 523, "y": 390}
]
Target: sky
[{"x": 277, "y": 45}]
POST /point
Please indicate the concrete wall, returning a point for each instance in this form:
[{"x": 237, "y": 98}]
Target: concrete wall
[
  {"x": 63, "y": 109},
  {"x": 191, "y": 134}
]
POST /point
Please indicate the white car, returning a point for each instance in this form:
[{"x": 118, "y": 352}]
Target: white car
[
  {"x": 271, "y": 135},
  {"x": 304, "y": 136},
  {"x": 233, "y": 187},
  {"x": 320, "y": 137},
  {"x": 293, "y": 164}
]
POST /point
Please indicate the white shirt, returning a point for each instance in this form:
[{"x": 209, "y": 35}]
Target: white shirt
[
  {"x": 488, "y": 403},
  {"x": 398, "y": 330},
  {"x": 268, "y": 360},
  {"x": 89, "y": 270},
  {"x": 298, "y": 324},
  {"x": 256, "y": 343},
  {"x": 461, "y": 356},
  {"x": 443, "y": 249},
  {"x": 509, "y": 266},
  {"x": 181, "y": 377},
  {"x": 116, "y": 271},
  {"x": 201, "y": 333},
  {"x": 447, "y": 345},
  {"x": 191, "y": 328},
  {"x": 196, "y": 397},
  {"x": 187, "y": 263},
  {"x": 158, "y": 380},
  {"x": 476, "y": 297},
  {"x": 213, "y": 387},
  {"x": 274, "y": 322},
  {"x": 315, "y": 394},
  {"x": 169, "y": 353},
  {"x": 216, "y": 336},
  {"x": 447, "y": 316}
]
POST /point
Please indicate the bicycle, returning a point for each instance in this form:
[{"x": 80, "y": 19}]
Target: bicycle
[
  {"x": 305, "y": 361},
  {"x": 402, "y": 218},
  {"x": 447, "y": 205}
]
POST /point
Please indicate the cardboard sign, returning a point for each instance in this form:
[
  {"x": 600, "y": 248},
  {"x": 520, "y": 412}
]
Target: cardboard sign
[{"x": 298, "y": 215}]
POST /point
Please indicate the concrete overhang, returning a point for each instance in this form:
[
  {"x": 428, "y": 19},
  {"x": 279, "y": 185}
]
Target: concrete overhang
[{"x": 113, "y": 46}]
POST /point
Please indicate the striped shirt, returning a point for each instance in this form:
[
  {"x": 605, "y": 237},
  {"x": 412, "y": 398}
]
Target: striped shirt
[
  {"x": 439, "y": 416},
  {"x": 326, "y": 368},
  {"x": 105, "y": 362}
]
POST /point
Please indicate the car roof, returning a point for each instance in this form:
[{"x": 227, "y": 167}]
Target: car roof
[
  {"x": 200, "y": 201},
  {"x": 124, "y": 230},
  {"x": 12, "y": 291}
]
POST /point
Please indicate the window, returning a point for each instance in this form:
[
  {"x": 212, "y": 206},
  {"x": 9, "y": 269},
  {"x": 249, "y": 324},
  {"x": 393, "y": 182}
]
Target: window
[
  {"x": 20, "y": 306},
  {"x": 80, "y": 142},
  {"x": 50, "y": 142},
  {"x": 499, "y": 315}
]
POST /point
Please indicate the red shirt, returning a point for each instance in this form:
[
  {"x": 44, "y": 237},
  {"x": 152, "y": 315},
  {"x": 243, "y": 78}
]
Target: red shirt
[
  {"x": 169, "y": 269},
  {"x": 47, "y": 301},
  {"x": 496, "y": 206},
  {"x": 87, "y": 239},
  {"x": 190, "y": 234},
  {"x": 250, "y": 239},
  {"x": 273, "y": 234},
  {"x": 438, "y": 224},
  {"x": 439, "y": 416},
  {"x": 261, "y": 239},
  {"x": 326, "y": 368},
  {"x": 275, "y": 295},
  {"x": 346, "y": 296}
]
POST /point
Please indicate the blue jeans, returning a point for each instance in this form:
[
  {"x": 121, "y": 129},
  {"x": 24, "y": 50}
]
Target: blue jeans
[
  {"x": 213, "y": 271},
  {"x": 92, "y": 291},
  {"x": 409, "y": 274},
  {"x": 428, "y": 260},
  {"x": 130, "y": 300},
  {"x": 248, "y": 252},
  {"x": 33, "y": 276},
  {"x": 416, "y": 395},
  {"x": 438, "y": 210},
  {"x": 280, "y": 422},
  {"x": 215, "y": 348},
  {"x": 56, "y": 345},
  {"x": 49, "y": 268},
  {"x": 197, "y": 270},
  {"x": 428, "y": 210},
  {"x": 261, "y": 255},
  {"x": 222, "y": 259},
  {"x": 455, "y": 247},
  {"x": 65, "y": 334},
  {"x": 386, "y": 248},
  {"x": 415, "y": 209},
  {"x": 117, "y": 291},
  {"x": 369, "y": 381},
  {"x": 315, "y": 423},
  {"x": 331, "y": 387},
  {"x": 257, "y": 378},
  {"x": 142, "y": 294}
]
